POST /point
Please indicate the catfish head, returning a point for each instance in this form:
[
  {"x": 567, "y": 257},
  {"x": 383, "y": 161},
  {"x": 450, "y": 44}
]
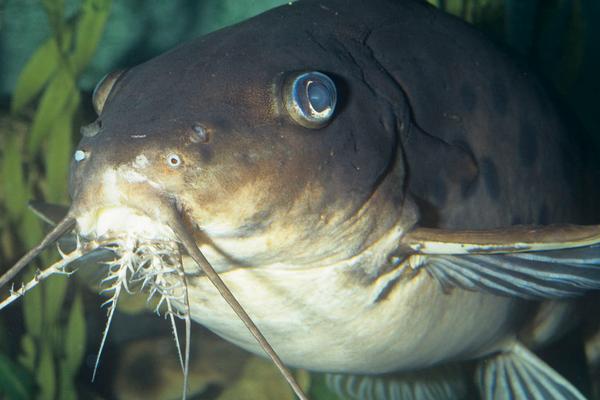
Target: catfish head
[{"x": 264, "y": 163}]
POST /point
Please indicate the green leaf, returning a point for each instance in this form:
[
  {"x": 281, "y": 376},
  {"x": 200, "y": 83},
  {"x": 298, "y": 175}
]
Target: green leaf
[
  {"x": 7, "y": 241},
  {"x": 75, "y": 336},
  {"x": 32, "y": 312},
  {"x": 55, "y": 11},
  {"x": 58, "y": 153},
  {"x": 66, "y": 390},
  {"x": 30, "y": 230},
  {"x": 15, "y": 382},
  {"x": 28, "y": 352},
  {"x": 36, "y": 73},
  {"x": 90, "y": 27},
  {"x": 55, "y": 289},
  {"x": 456, "y": 7},
  {"x": 54, "y": 7},
  {"x": 13, "y": 179},
  {"x": 45, "y": 374},
  {"x": 53, "y": 103}
]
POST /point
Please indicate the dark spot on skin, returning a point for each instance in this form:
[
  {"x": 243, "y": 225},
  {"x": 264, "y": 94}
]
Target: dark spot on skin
[
  {"x": 489, "y": 174},
  {"x": 429, "y": 216},
  {"x": 468, "y": 96},
  {"x": 385, "y": 292},
  {"x": 390, "y": 285},
  {"x": 528, "y": 147},
  {"x": 206, "y": 152},
  {"x": 468, "y": 169},
  {"x": 499, "y": 96},
  {"x": 571, "y": 162},
  {"x": 439, "y": 191},
  {"x": 256, "y": 224},
  {"x": 360, "y": 277},
  {"x": 468, "y": 189},
  {"x": 543, "y": 215},
  {"x": 247, "y": 159}
]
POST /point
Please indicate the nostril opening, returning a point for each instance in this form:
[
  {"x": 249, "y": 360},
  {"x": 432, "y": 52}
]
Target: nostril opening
[
  {"x": 80, "y": 155},
  {"x": 199, "y": 134}
]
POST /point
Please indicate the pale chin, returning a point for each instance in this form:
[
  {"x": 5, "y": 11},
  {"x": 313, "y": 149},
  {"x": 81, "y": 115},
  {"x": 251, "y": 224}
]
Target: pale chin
[{"x": 115, "y": 222}]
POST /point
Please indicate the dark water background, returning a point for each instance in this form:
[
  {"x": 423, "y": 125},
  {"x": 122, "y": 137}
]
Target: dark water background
[{"x": 48, "y": 341}]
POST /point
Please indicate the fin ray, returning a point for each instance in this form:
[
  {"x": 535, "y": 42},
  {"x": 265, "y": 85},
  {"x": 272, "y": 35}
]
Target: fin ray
[
  {"x": 550, "y": 274},
  {"x": 439, "y": 383},
  {"x": 518, "y": 374}
]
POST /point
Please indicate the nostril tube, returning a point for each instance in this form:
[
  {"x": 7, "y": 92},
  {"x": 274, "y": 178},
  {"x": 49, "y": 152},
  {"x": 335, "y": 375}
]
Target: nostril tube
[{"x": 92, "y": 129}]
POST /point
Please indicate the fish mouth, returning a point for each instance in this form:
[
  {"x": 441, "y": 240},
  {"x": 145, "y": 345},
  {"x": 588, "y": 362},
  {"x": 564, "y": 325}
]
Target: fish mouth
[
  {"x": 105, "y": 223},
  {"x": 148, "y": 245},
  {"x": 147, "y": 255}
]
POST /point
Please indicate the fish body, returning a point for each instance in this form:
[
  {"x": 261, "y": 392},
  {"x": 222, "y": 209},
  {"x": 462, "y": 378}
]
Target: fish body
[
  {"x": 317, "y": 222},
  {"x": 325, "y": 320},
  {"x": 312, "y": 264}
]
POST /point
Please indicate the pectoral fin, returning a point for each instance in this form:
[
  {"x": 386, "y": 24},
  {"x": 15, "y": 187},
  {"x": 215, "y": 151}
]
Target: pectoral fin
[
  {"x": 518, "y": 374},
  {"x": 529, "y": 262}
]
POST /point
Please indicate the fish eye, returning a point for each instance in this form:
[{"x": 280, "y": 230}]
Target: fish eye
[
  {"x": 103, "y": 89},
  {"x": 173, "y": 160},
  {"x": 310, "y": 99}
]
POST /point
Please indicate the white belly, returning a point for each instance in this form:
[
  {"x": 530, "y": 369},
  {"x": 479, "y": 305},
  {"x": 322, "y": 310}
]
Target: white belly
[{"x": 326, "y": 319}]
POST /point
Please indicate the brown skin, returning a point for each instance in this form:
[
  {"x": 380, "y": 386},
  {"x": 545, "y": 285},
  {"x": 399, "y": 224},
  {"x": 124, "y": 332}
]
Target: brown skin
[
  {"x": 429, "y": 113},
  {"x": 481, "y": 151}
]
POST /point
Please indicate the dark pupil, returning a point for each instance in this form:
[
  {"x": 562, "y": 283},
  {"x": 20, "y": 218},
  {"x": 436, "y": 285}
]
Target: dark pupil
[
  {"x": 318, "y": 95},
  {"x": 174, "y": 161}
]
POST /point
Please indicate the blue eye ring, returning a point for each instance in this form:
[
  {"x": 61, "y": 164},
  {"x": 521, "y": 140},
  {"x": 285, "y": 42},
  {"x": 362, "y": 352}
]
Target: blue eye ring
[{"x": 310, "y": 98}]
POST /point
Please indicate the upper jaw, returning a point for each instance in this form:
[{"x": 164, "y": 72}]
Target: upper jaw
[
  {"x": 119, "y": 221},
  {"x": 120, "y": 203}
]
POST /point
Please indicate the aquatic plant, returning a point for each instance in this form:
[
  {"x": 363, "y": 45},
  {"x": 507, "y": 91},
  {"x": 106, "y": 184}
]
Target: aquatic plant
[{"x": 35, "y": 165}]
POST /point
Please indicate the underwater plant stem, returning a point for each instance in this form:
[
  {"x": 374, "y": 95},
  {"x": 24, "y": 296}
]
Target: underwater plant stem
[
  {"x": 191, "y": 247},
  {"x": 60, "y": 229}
]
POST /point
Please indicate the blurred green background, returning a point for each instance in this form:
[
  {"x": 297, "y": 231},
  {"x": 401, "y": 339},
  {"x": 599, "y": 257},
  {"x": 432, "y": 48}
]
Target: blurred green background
[{"x": 52, "y": 53}]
